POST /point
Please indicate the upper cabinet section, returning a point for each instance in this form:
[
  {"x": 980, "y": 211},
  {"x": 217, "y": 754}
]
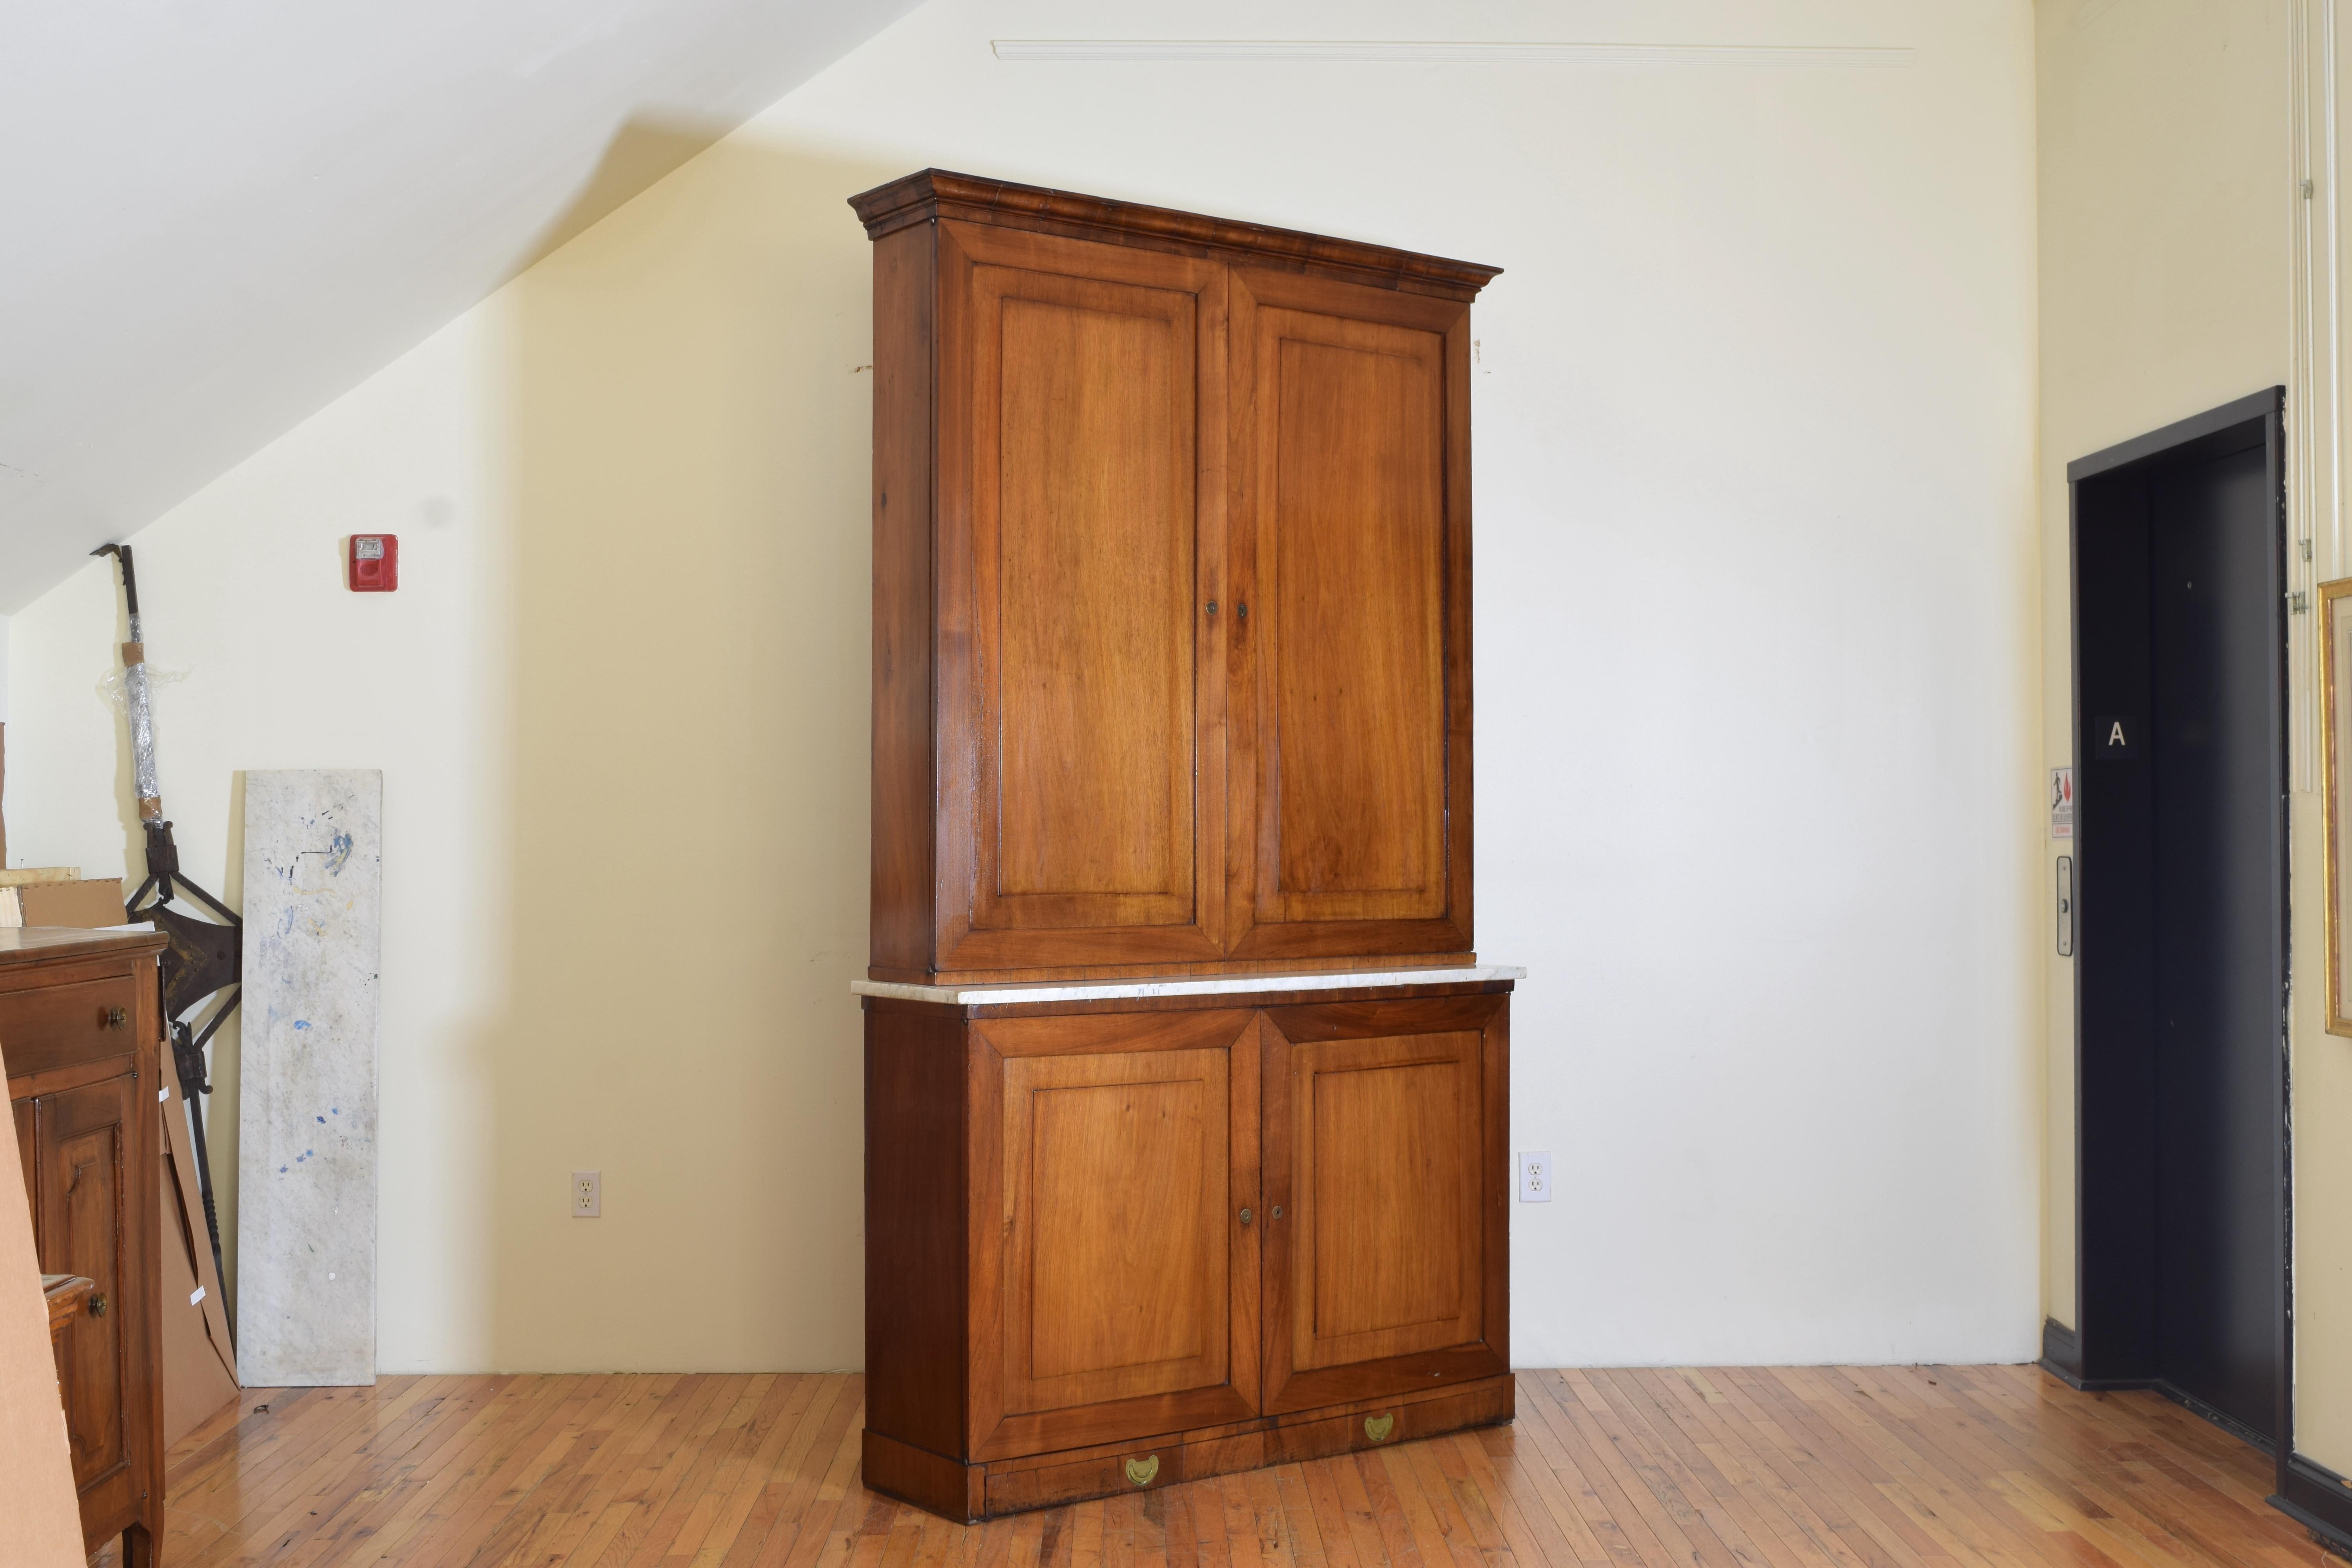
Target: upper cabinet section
[{"x": 1171, "y": 591}]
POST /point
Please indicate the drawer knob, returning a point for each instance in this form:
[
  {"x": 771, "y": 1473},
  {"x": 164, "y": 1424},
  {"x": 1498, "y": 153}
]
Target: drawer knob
[
  {"x": 98, "y": 1306},
  {"x": 1378, "y": 1427},
  {"x": 1140, "y": 1471},
  {"x": 1247, "y": 1216},
  {"x": 116, "y": 1018}
]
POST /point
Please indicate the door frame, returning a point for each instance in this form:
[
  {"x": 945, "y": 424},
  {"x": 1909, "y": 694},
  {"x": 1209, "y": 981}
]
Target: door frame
[{"x": 2236, "y": 425}]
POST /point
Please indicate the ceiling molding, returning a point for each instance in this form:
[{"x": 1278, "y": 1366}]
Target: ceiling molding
[{"x": 1407, "y": 52}]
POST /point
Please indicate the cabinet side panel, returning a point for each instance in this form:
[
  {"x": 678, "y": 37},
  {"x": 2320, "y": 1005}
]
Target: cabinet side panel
[
  {"x": 904, "y": 321},
  {"x": 143, "y": 1250},
  {"x": 914, "y": 1276},
  {"x": 1459, "y": 791},
  {"x": 1495, "y": 1188}
]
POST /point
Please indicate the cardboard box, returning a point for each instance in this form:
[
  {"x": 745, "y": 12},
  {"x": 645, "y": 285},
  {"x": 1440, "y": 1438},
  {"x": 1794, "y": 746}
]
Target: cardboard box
[
  {"x": 23, "y": 874},
  {"x": 88, "y": 904}
]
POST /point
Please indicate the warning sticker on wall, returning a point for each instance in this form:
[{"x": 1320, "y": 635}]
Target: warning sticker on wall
[{"x": 2061, "y": 803}]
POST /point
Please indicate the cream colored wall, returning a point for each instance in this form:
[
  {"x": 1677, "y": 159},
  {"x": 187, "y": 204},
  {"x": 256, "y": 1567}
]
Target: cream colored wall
[
  {"x": 2162, "y": 148},
  {"x": 619, "y": 702},
  {"x": 1756, "y": 587}
]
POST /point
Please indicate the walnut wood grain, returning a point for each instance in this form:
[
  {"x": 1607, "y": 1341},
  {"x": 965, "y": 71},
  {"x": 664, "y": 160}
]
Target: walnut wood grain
[
  {"x": 20, "y": 1111},
  {"x": 61, "y": 1024},
  {"x": 1350, "y": 821},
  {"x": 1127, "y": 1280},
  {"x": 66, "y": 1295},
  {"x": 81, "y": 1083},
  {"x": 1096, "y": 437},
  {"x": 1308, "y": 965},
  {"x": 936, "y": 194},
  {"x": 916, "y": 1267},
  {"x": 1171, "y": 578},
  {"x": 905, "y": 329},
  {"x": 1378, "y": 1277},
  {"x": 1172, "y": 674},
  {"x": 1094, "y": 1164}
]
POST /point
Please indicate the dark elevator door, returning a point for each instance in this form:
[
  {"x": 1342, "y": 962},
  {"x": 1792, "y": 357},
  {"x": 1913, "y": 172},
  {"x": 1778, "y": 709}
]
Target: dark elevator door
[
  {"x": 2180, "y": 950},
  {"x": 2214, "y": 730}
]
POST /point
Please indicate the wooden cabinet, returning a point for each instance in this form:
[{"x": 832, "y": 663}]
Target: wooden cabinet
[
  {"x": 1350, "y": 772},
  {"x": 79, "y": 1027},
  {"x": 1383, "y": 1127},
  {"x": 1171, "y": 683},
  {"x": 1125, "y": 1149},
  {"x": 1095, "y": 681},
  {"x": 1122, "y": 1244},
  {"x": 1171, "y": 591}
]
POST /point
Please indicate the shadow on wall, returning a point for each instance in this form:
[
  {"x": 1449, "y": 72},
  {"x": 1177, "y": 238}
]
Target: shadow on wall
[{"x": 689, "y": 481}]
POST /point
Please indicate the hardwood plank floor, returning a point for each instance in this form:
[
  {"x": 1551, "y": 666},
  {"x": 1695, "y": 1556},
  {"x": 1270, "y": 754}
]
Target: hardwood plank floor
[{"x": 1979, "y": 1467}]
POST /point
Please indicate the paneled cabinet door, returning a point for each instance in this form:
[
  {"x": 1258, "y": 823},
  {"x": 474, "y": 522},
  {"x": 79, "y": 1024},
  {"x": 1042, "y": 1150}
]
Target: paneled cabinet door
[
  {"x": 1081, "y": 433},
  {"x": 82, "y": 1149},
  {"x": 1384, "y": 1181},
  {"x": 1349, "y": 823},
  {"x": 1114, "y": 1273}
]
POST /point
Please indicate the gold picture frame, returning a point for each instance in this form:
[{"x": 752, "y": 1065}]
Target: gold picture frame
[{"x": 2334, "y": 692}]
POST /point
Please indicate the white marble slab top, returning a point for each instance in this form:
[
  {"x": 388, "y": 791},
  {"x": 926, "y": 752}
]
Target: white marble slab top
[{"x": 1179, "y": 986}]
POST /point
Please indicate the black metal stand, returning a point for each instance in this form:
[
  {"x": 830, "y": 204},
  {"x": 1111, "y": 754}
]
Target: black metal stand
[{"x": 206, "y": 957}]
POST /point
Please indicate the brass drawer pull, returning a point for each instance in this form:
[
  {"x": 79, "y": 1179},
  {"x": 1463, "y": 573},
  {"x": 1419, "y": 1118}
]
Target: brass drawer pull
[
  {"x": 1141, "y": 1472},
  {"x": 1247, "y": 1216},
  {"x": 116, "y": 1018},
  {"x": 1378, "y": 1427},
  {"x": 98, "y": 1306}
]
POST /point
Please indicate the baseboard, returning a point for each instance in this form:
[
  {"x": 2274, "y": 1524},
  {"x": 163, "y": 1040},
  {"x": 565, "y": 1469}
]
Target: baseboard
[
  {"x": 2230, "y": 1423},
  {"x": 2062, "y": 1352},
  {"x": 2320, "y": 1500},
  {"x": 2062, "y": 1358}
]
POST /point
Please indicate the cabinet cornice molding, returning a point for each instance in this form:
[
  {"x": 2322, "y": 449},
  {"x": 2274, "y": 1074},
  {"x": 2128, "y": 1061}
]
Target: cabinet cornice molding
[{"x": 936, "y": 192}]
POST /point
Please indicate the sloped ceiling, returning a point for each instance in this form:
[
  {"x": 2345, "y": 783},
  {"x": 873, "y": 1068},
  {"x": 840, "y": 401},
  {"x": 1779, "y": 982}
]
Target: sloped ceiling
[{"x": 215, "y": 216}]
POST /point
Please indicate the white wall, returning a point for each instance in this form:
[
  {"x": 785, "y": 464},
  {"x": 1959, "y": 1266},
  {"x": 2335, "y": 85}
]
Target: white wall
[{"x": 1758, "y": 664}]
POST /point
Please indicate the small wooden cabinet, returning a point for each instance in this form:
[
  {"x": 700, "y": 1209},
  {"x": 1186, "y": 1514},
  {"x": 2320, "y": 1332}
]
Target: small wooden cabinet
[
  {"x": 79, "y": 1027},
  {"x": 1171, "y": 679},
  {"x": 1120, "y": 1243}
]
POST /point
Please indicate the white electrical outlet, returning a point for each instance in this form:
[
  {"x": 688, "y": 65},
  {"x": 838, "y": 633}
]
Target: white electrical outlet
[
  {"x": 587, "y": 1193},
  {"x": 1535, "y": 1178}
]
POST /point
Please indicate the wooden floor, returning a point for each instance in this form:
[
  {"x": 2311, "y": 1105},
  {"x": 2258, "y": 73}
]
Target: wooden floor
[{"x": 1868, "y": 1467}]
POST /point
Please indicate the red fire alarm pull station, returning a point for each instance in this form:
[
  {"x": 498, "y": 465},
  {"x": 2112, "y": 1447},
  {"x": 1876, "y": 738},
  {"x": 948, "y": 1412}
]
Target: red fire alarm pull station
[{"x": 374, "y": 562}]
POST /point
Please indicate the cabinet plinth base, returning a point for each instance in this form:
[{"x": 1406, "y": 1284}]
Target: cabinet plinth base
[{"x": 970, "y": 1493}]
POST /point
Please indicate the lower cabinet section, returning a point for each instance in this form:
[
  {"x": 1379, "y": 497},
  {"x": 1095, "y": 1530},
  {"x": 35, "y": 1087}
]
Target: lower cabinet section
[{"x": 1116, "y": 1245}]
